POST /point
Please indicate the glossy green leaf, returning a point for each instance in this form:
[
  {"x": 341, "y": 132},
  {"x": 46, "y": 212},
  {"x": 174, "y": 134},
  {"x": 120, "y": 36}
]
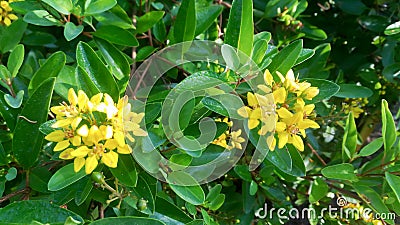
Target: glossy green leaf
[
  {"x": 205, "y": 17},
  {"x": 85, "y": 82},
  {"x": 8, "y": 113},
  {"x": 373, "y": 199},
  {"x": 26, "y": 150},
  {"x": 374, "y": 23},
  {"x": 96, "y": 70},
  {"x": 393, "y": 28},
  {"x": 349, "y": 143},
  {"x": 11, "y": 174},
  {"x": 65, "y": 80},
  {"x": 353, "y": 91},
  {"x": 217, "y": 202},
  {"x": 371, "y": 148},
  {"x": 10, "y": 36},
  {"x": 3, "y": 156},
  {"x": 344, "y": 171},
  {"x": 240, "y": 30},
  {"x": 286, "y": 58},
  {"x": 143, "y": 191},
  {"x": 127, "y": 220},
  {"x": 14, "y": 102},
  {"x": 71, "y": 31},
  {"x": 116, "y": 16},
  {"x": 98, "y": 6},
  {"x": 193, "y": 194},
  {"x": 65, "y": 177},
  {"x": 281, "y": 159},
  {"x": 36, "y": 210},
  {"x": 185, "y": 22},
  {"x": 82, "y": 194},
  {"x": 392, "y": 72},
  {"x": 253, "y": 187},
  {"x": 388, "y": 128},
  {"x": 62, "y": 6},
  {"x": 304, "y": 55},
  {"x": 354, "y": 7},
  {"x": 169, "y": 212},
  {"x": 38, "y": 179},
  {"x": 41, "y": 18},
  {"x": 125, "y": 171},
  {"x": 214, "y": 192},
  {"x": 115, "y": 59},
  {"x": 318, "y": 190},
  {"x": 145, "y": 52},
  {"x": 15, "y": 60},
  {"x": 259, "y": 50},
  {"x": 394, "y": 183},
  {"x": 313, "y": 32},
  {"x": 243, "y": 172},
  {"x": 116, "y": 35},
  {"x": 147, "y": 21},
  {"x": 160, "y": 31},
  {"x": 315, "y": 66},
  {"x": 51, "y": 68}
]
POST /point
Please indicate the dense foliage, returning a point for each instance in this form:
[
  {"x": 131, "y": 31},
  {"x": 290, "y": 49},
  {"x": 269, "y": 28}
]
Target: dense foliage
[{"x": 199, "y": 112}]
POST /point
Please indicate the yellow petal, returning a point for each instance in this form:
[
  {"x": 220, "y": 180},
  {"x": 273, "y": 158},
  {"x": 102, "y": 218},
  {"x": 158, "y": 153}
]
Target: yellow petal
[
  {"x": 284, "y": 113},
  {"x": 72, "y": 98},
  {"x": 107, "y": 131},
  {"x": 95, "y": 134},
  {"x": 66, "y": 154},
  {"x": 271, "y": 142},
  {"x": 61, "y": 145},
  {"x": 268, "y": 78},
  {"x": 82, "y": 100},
  {"x": 262, "y": 100},
  {"x": 78, "y": 164},
  {"x": 80, "y": 152},
  {"x": 255, "y": 114},
  {"x": 111, "y": 144},
  {"x": 83, "y": 131},
  {"x": 91, "y": 164},
  {"x": 251, "y": 99},
  {"x": 280, "y": 126},
  {"x": 244, "y": 111},
  {"x": 311, "y": 92},
  {"x": 75, "y": 123},
  {"x": 76, "y": 141},
  {"x": 55, "y": 136},
  {"x": 139, "y": 132},
  {"x": 96, "y": 99},
  {"x": 108, "y": 100},
  {"x": 137, "y": 117},
  {"x": 124, "y": 150},
  {"x": 119, "y": 137},
  {"x": 298, "y": 142},
  {"x": 62, "y": 123},
  {"x": 110, "y": 159},
  {"x": 309, "y": 108},
  {"x": 283, "y": 139},
  {"x": 307, "y": 123},
  {"x": 7, "y": 21},
  {"x": 253, "y": 123},
  {"x": 12, "y": 16},
  {"x": 280, "y": 95}
]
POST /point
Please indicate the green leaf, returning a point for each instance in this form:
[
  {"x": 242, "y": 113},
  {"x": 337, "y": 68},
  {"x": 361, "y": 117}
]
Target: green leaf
[
  {"x": 326, "y": 89},
  {"x": 116, "y": 16},
  {"x": 10, "y": 36},
  {"x": 354, "y": 7},
  {"x": 185, "y": 22},
  {"x": 214, "y": 192},
  {"x": 35, "y": 210},
  {"x": 3, "y": 157},
  {"x": 15, "y": 60},
  {"x": 179, "y": 161},
  {"x": 116, "y": 35},
  {"x": 205, "y": 17},
  {"x": 51, "y": 68},
  {"x": 286, "y": 58},
  {"x": 11, "y": 174},
  {"x": 393, "y": 28},
  {"x": 217, "y": 202},
  {"x": 115, "y": 59},
  {"x": 127, "y": 220},
  {"x": 224, "y": 104},
  {"x": 96, "y": 70},
  {"x": 26, "y": 150},
  {"x": 159, "y": 31},
  {"x": 394, "y": 183},
  {"x": 9, "y": 114},
  {"x": 14, "y": 102},
  {"x": 259, "y": 50},
  {"x": 353, "y": 91},
  {"x": 349, "y": 144},
  {"x": 388, "y": 128},
  {"x": 374, "y": 23},
  {"x": 62, "y": 6},
  {"x": 318, "y": 190},
  {"x": 253, "y": 187},
  {"x": 392, "y": 72},
  {"x": 315, "y": 66},
  {"x": 373, "y": 199},
  {"x": 82, "y": 194},
  {"x": 38, "y": 179},
  {"x": 304, "y": 55},
  {"x": 41, "y": 18},
  {"x": 98, "y": 6},
  {"x": 313, "y": 32},
  {"x": 142, "y": 190},
  {"x": 344, "y": 171},
  {"x": 147, "y": 21},
  {"x": 65, "y": 80},
  {"x": 145, "y": 52},
  {"x": 85, "y": 82},
  {"x": 243, "y": 172},
  {"x": 240, "y": 28},
  {"x": 169, "y": 213},
  {"x": 125, "y": 171},
  {"x": 193, "y": 194},
  {"x": 371, "y": 148},
  {"x": 65, "y": 177},
  {"x": 71, "y": 31}
]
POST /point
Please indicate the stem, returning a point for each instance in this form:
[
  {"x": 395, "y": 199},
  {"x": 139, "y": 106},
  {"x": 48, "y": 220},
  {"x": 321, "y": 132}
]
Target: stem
[
  {"x": 316, "y": 154},
  {"x": 22, "y": 191}
]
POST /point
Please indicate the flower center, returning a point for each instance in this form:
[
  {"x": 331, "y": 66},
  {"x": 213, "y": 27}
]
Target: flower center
[{"x": 292, "y": 129}]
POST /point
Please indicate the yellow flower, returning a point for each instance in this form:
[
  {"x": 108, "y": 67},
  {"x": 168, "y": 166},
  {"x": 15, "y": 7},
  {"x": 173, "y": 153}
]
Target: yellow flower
[
  {"x": 6, "y": 17},
  {"x": 236, "y": 140},
  {"x": 259, "y": 108},
  {"x": 221, "y": 141},
  {"x": 88, "y": 137}
]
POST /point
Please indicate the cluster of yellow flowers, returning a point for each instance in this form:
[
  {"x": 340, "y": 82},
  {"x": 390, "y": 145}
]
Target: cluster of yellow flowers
[
  {"x": 232, "y": 137},
  {"x": 89, "y": 130},
  {"x": 360, "y": 209},
  {"x": 289, "y": 110},
  {"x": 354, "y": 105},
  {"x": 5, "y": 13}
]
